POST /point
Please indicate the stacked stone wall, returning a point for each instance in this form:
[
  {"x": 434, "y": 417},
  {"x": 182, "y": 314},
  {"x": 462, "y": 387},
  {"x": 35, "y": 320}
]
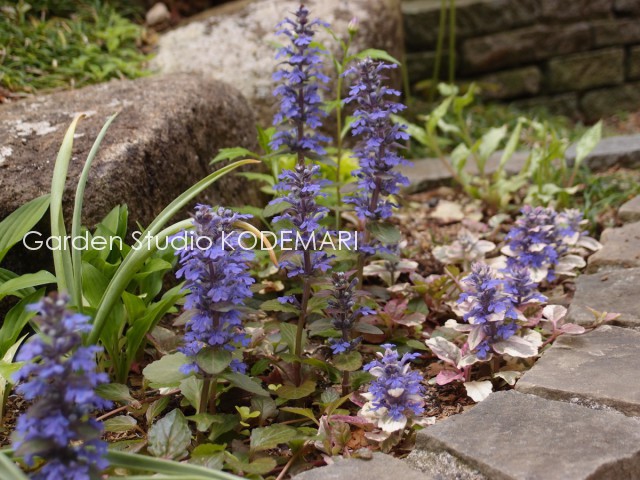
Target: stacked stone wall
[{"x": 580, "y": 57}]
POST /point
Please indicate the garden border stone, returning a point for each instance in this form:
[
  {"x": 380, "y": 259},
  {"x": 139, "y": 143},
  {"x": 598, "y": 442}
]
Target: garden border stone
[{"x": 598, "y": 368}]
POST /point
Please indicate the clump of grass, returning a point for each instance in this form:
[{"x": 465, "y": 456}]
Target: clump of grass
[
  {"x": 604, "y": 193},
  {"x": 90, "y": 44}
]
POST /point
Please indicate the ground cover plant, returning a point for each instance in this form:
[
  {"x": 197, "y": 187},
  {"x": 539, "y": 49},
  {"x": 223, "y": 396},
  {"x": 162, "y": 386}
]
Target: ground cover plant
[
  {"x": 348, "y": 337},
  {"x": 47, "y": 46}
]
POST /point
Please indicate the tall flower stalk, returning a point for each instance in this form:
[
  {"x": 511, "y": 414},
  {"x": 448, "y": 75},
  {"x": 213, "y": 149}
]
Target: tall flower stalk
[
  {"x": 298, "y": 118},
  {"x": 377, "y": 150},
  {"x": 216, "y": 273},
  {"x": 344, "y": 312},
  {"x": 60, "y": 379}
]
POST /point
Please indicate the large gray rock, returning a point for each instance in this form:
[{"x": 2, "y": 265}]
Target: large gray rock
[
  {"x": 235, "y": 42},
  {"x": 513, "y": 436},
  {"x": 630, "y": 211},
  {"x": 621, "y": 249},
  {"x": 524, "y": 45},
  {"x": 616, "y": 291},
  {"x": 597, "y": 369},
  {"x": 582, "y": 71},
  {"x": 379, "y": 467},
  {"x": 161, "y": 143},
  {"x": 622, "y": 150},
  {"x": 473, "y": 18},
  {"x": 608, "y": 101}
]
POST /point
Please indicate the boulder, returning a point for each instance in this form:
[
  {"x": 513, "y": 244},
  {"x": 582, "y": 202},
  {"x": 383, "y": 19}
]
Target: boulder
[
  {"x": 160, "y": 144},
  {"x": 235, "y": 42}
]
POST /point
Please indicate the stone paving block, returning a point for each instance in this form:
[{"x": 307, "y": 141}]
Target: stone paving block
[
  {"x": 515, "y": 436},
  {"x": 599, "y": 368},
  {"x": 621, "y": 249},
  {"x": 613, "y": 291},
  {"x": 582, "y": 71},
  {"x": 630, "y": 211},
  {"x": 380, "y": 467},
  {"x": 621, "y": 150}
]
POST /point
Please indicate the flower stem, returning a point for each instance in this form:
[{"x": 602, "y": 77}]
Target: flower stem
[{"x": 306, "y": 295}]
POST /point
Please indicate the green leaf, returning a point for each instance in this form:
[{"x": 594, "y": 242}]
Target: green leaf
[
  {"x": 116, "y": 392},
  {"x": 94, "y": 283},
  {"x": 348, "y": 362},
  {"x": 305, "y": 412},
  {"x": 293, "y": 392},
  {"x": 259, "y": 177},
  {"x": 273, "y": 209},
  {"x": 156, "y": 408},
  {"x": 202, "y": 420},
  {"x": 275, "y": 306},
  {"x": 266, "y": 438},
  {"x": 213, "y": 360},
  {"x": 588, "y": 142},
  {"x": 136, "y": 258},
  {"x": 16, "y": 319},
  {"x": 76, "y": 223},
  {"x": 377, "y": 54},
  {"x": 170, "y": 436},
  {"x": 122, "y": 423},
  {"x": 14, "y": 227},
  {"x": 260, "y": 466},
  {"x": 490, "y": 141},
  {"x": 9, "y": 470},
  {"x": 245, "y": 383},
  {"x": 28, "y": 280},
  {"x": 191, "y": 389},
  {"x": 511, "y": 146},
  {"x": 166, "y": 371},
  {"x": 222, "y": 424},
  {"x": 367, "y": 328},
  {"x": 146, "y": 463},
  {"x": 385, "y": 232},
  {"x": 232, "y": 154},
  {"x": 208, "y": 455},
  {"x": 62, "y": 257},
  {"x": 288, "y": 334}
]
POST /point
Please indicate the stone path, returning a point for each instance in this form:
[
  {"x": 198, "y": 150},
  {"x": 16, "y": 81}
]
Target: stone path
[{"x": 574, "y": 416}]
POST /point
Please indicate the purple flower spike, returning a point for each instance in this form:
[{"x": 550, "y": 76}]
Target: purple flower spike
[
  {"x": 60, "y": 379},
  {"x": 379, "y": 137},
  {"x": 396, "y": 394},
  {"x": 216, "y": 271},
  {"x": 301, "y": 76}
]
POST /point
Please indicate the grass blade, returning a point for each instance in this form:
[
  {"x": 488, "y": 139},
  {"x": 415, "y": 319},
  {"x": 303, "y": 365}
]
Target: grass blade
[
  {"x": 166, "y": 467},
  {"x": 62, "y": 257},
  {"x": 76, "y": 224}
]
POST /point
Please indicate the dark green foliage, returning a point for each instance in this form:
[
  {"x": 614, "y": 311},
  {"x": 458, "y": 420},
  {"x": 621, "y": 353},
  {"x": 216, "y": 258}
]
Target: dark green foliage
[{"x": 89, "y": 42}]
